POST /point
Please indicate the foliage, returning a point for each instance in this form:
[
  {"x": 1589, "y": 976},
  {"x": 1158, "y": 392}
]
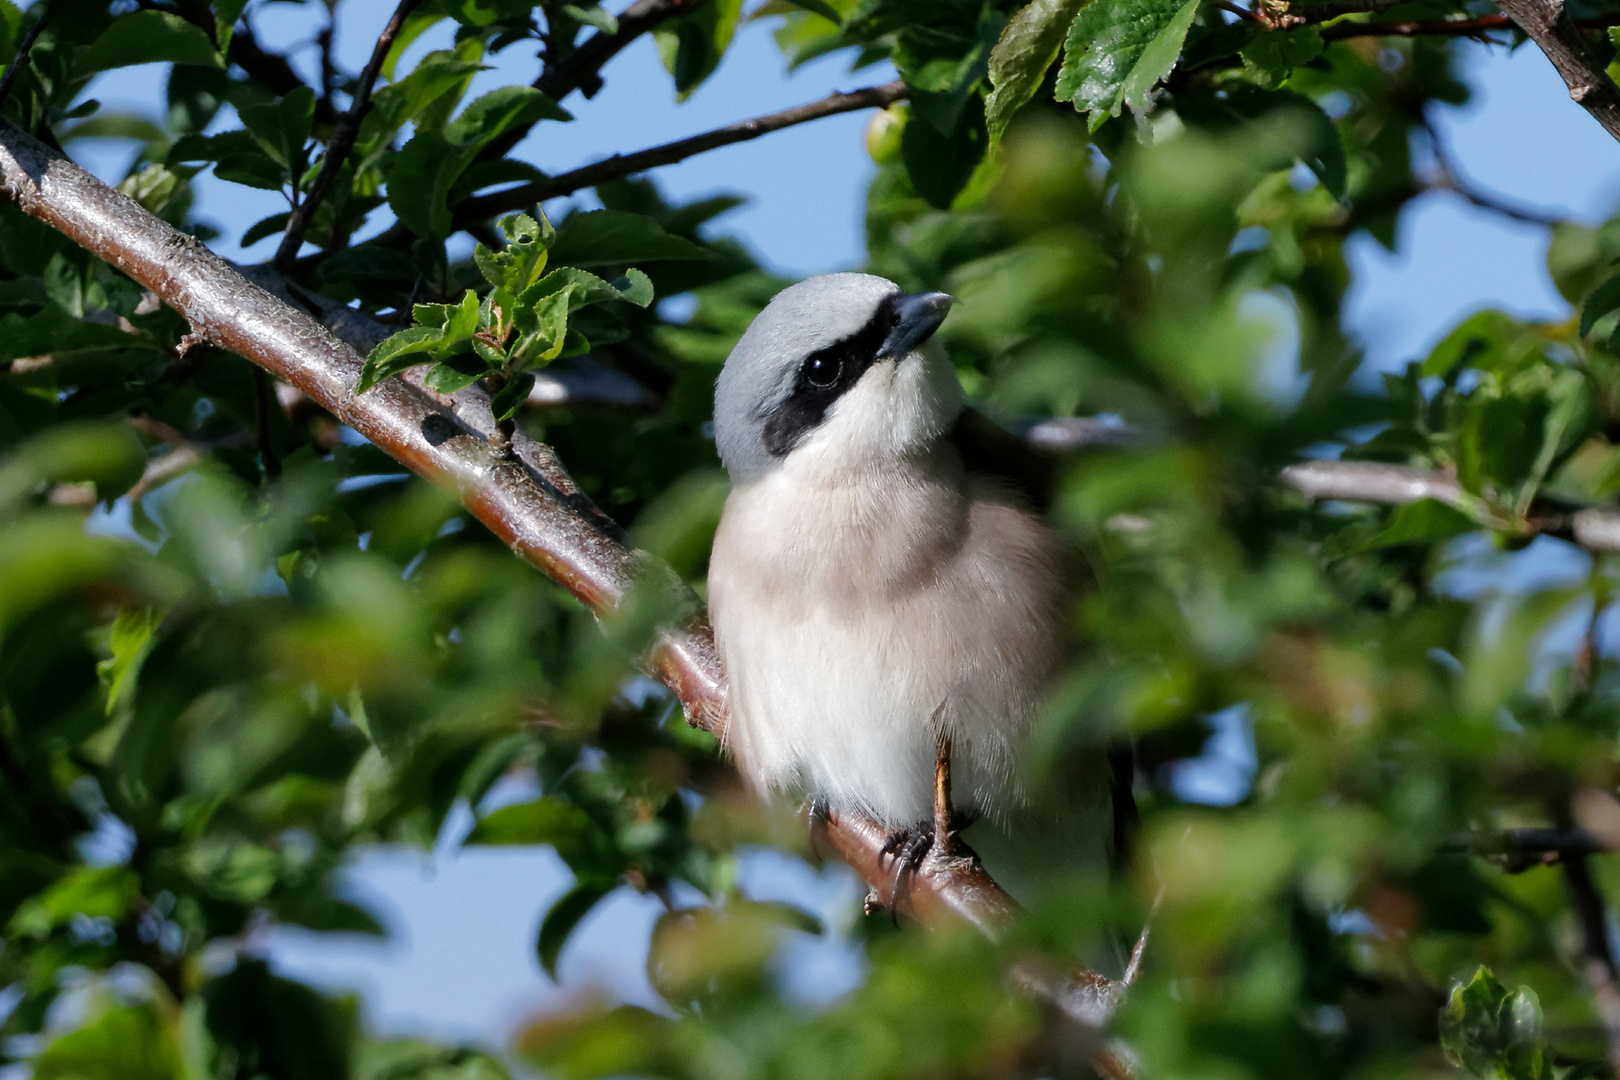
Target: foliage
[{"x": 237, "y": 643}]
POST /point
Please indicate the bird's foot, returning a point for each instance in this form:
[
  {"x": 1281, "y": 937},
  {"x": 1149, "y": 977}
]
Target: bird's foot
[{"x": 914, "y": 846}]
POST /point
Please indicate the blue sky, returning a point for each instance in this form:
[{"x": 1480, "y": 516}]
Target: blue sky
[{"x": 461, "y": 962}]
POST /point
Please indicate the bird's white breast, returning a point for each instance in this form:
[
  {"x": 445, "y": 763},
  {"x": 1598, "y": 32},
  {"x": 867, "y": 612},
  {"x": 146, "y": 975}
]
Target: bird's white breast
[{"x": 858, "y": 610}]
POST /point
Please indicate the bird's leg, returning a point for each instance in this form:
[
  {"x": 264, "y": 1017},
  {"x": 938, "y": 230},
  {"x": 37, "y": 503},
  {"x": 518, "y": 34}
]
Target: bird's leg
[{"x": 935, "y": 837}]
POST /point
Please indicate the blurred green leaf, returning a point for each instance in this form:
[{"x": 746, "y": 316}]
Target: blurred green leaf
[{"x": 147, "y": 37}]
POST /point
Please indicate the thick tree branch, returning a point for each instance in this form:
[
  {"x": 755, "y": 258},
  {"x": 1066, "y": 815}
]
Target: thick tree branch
[
  {"x": 524, "y": 496},
  {"x": 1551, "y": 28},
  {"x": 620, "y": 165},
  {"x": 341, "y": 142}
]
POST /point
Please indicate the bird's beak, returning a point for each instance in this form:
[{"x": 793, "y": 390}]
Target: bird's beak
[{"x": 919, "y": 316}]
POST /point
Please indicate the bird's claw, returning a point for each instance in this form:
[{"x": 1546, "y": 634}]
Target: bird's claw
[{"x": 913, "y": 846}]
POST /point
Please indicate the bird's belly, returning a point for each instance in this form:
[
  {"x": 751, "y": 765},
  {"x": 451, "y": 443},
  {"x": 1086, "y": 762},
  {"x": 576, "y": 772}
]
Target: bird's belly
[{"x": 848, "y": 702}]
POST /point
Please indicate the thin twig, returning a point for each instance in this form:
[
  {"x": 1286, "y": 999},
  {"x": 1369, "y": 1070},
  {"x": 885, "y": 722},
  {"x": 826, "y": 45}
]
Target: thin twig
[
  {"x": 1597, "y": 955},
  {"x": 261, "y": 423},
  {"x": 580, "y": 68},
  {"x": 619, "y": 165},
  {"x": 1521, "y": 849},
  {"x": 14, "y": 68},
  {"x": 342, "y": 141},
  {"x": 1452, "y": 179}
]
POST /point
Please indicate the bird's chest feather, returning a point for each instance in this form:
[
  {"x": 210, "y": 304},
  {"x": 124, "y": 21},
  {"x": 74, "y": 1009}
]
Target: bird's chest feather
[{"x": 857, "y": 617}]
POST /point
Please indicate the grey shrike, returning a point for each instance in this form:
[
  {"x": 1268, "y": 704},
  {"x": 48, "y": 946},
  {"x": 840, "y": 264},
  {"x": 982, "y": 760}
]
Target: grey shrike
[{"x": 870, "y": 593}]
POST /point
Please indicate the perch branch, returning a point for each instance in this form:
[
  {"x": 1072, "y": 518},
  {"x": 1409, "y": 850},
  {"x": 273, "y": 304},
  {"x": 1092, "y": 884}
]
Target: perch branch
[
  {"x": 341, "y": 142},
  {"x": 525, "y": 496},
  {"x": 619, "y": 165}
]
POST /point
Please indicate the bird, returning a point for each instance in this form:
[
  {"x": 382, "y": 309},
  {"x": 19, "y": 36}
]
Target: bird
[{"x": 874, "y": 593}]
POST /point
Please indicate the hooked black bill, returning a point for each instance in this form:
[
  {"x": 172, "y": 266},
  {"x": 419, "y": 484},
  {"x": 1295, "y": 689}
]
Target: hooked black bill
[{"x": 901, "y": 322}]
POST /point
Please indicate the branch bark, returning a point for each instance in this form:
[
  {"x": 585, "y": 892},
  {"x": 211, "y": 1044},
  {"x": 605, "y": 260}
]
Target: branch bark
[
  {"x": 1551, "y": 28},
  {"x": 620, "y": 165},
  {"x": 1592, "y": 528},
  {"x": 525, "y": 496}
]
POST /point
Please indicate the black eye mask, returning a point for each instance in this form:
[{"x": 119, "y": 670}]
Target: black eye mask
[{"x": 825, "y": 376}]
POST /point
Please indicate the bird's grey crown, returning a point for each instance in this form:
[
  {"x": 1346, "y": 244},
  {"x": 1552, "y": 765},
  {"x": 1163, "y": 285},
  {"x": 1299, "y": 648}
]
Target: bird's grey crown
[{"x": 761, "y": 372}]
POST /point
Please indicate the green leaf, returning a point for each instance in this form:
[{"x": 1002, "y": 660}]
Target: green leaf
[
  {"x": 592, "y": 15},
  {"x": 101, "y": 892},
  {"x": 121, "y": 1044},
  {"x": 1494, "y": 1034},
  {"x": 397, "y": 353},
  {"x": 486, "y": 117},
  {"x": 270, "y": 226},
  {"x": 226, "y": 13},
  {"x": 561, "y": 920},
  {"x": 437, "y": 76},
  {"x": 939, "y": 166},
  {"x": 147, "y": 37},
  {"x": 282, "y": 130},
  {"x": 578, "y": 839},
  {"x": 615, "y": 237},
  {"x": 53, "y": 330},
  {"x": 1018, "y": 63},
  {"x": 819, "y": 7},
  {"x": 512, "y": 396},
  {"x": 1421, "y": 522},
  {"x": 1270, "y": 58},
  {"x": 457, "y": 373},
  {"x": 419, "y": 185},
  {"x": 1118, "y": 50},
  {"x": 519, "y": 264},
  {"x": 944, "y": 66},
  {"x": 129, "y": 640},
  {"x": 1603, "y": 300},
  {"x": 692, "y": 45}
]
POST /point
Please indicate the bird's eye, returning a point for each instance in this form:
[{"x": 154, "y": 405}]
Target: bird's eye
[{"x": 823, "y": 371}]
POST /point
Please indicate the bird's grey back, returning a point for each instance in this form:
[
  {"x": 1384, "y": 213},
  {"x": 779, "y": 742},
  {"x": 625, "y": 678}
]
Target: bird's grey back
[{"x": 761, "y": 370}]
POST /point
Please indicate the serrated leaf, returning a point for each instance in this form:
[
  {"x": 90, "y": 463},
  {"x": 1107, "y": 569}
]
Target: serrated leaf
[
  {"x": 561, "y": 920},
  {"x": 457, "y": 373},
  {"x": 282, "y": 130},
  {"x": 1118, "y": 50},
  {"x": 420, "y": 182},
  {"x": 397, "y": 353},
  {"x": 1029, "y": 44},
  {"x": 512, "y": 396},
  {"x": 147, "y": 37},
  {"x": 518, "y": 265},
  {"x": 264, "y": 227},
  {"x": 486, "y": 117},
  {"x": 615, "y": 237}
]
